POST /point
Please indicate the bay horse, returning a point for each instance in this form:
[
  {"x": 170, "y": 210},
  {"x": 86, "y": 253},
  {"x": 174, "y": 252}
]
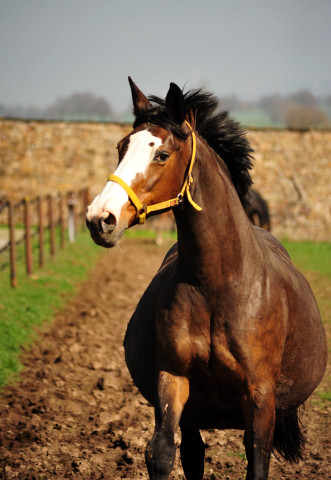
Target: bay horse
[{"x": 228, "y": 333}]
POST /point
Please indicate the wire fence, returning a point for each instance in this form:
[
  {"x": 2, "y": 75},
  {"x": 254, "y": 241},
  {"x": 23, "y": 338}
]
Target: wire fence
[{"x": 26, "y": 222}]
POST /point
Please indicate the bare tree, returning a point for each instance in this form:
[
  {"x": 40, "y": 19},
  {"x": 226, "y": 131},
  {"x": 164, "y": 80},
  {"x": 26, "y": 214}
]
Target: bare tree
[
  {"x": 275, "y": 105},
  {"x": 80, "y": 105},
  {"x": 298, "y": 116}
]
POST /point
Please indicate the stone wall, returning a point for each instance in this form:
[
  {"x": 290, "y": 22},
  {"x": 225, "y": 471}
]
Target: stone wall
[
  {"x": 38, "y": 158},
  {"x": 292, "y": 170}
]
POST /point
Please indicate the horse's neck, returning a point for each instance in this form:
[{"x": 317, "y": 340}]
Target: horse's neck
[{"x": 213, "y": 242}]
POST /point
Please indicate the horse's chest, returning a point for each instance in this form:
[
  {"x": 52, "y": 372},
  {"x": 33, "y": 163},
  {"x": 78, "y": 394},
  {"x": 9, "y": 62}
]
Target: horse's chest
[
  {"x": 182, "y": 326},
  {"x": 186, "y": 338}
]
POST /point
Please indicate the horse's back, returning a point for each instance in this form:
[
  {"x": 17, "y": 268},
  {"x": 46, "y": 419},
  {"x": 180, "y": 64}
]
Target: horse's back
[{"x": 272, "y": 243}]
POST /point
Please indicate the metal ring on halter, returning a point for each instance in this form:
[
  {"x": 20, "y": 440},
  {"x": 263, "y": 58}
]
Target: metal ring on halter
[
  {"x": 180, "y": 198},
  {"x": 143, "y": 209}
]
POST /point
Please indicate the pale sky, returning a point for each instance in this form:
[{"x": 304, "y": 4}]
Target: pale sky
[{"x": 52, "y": 48}]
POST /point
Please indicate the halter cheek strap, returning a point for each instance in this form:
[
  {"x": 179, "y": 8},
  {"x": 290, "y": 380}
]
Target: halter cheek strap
[{"x": 143, "y": 210}]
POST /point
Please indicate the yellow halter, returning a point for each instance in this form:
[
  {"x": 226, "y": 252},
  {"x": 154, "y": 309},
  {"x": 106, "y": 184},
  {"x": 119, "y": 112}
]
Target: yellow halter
[{"x": 143, "y": 210}]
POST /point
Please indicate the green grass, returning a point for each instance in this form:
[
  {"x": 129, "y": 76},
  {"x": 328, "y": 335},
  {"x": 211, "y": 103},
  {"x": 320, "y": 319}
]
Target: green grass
[
  {"x": 310, "y": 256},
  {"x": 36, "y": 298},
  {"x": 314, "y": 261},
  {"x": 137, "y": 232},
  {"x": 147, "y": 234},
  {"x": 242, "y": 456},
  {"x": 326, "y": 396}
]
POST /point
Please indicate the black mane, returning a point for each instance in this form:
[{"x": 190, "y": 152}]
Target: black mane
[{"x": 224, "y": 135}]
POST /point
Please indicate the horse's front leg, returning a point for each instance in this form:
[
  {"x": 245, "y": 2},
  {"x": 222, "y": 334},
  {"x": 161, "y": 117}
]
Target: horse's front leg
[
  {"x": 172, "y": 394},
  {"x": 259, "y": 412}
]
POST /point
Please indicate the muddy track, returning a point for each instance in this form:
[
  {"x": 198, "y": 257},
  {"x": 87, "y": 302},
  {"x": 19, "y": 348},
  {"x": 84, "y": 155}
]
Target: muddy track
[{"x": 76, "y": 414}]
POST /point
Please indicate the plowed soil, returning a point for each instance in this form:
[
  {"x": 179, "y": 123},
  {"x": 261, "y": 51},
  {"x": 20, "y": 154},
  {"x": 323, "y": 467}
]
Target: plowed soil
[{"x": 76, "y": 414}]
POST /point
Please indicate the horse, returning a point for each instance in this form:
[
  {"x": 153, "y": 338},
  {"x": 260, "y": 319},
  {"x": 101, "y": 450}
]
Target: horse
[
  {"x": 258, "y": 211},
  {"x": 228, "y": 334}
]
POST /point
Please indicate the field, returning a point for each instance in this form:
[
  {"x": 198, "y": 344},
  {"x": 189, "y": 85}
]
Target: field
[{"x": 75, "y": 412}]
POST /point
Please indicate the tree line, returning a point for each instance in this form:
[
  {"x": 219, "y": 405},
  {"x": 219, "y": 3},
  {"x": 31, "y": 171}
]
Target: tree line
[
  {"x": 301, "y": 109},
  {"x": 78, "y": 106}
]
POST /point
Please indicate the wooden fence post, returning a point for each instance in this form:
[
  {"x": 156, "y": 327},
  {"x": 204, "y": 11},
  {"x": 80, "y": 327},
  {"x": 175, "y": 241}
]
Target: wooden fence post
[
  {"x": 71, "y": 218},
  {"x": 13, "y": 277},
  {"x": 75, "y": 202},
  {"x": 41, "y": 232},
  {"x": 28, "y": 247},
  {"x": 51, "y": 225},
  {"x": 86, "y": 202},
  {"x": 75, "y": 205},
  {"x": 62, "y": 224},
  {"x": 88, "y": 197}
]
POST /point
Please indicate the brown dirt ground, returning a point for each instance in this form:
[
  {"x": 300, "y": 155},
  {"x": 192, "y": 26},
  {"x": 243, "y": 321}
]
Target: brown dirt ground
[{"x": 76, "y": 414}]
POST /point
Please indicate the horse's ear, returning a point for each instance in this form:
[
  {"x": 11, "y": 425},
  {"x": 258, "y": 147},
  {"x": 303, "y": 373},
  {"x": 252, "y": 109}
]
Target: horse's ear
[
  {"x": 175, "y": 104},
  {"x": 140, "y": 101}
]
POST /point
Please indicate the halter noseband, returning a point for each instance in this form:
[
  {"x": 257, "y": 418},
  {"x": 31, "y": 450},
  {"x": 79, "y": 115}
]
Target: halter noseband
[{"x": 143, "y": 210}]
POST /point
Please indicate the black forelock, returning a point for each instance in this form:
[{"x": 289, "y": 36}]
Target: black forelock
[{"x": 223, "y": 134}]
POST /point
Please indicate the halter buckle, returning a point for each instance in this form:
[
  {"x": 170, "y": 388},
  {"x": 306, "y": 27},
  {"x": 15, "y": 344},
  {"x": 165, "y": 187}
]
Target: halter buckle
[
  {"x": 142, "y": 210},
  {"x": 179, "y": 198},
  {"x": 141, "y": 214}
]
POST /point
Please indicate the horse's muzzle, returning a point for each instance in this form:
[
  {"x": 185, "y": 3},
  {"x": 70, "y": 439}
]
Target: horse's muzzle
[{"x": 102, "y": 229}]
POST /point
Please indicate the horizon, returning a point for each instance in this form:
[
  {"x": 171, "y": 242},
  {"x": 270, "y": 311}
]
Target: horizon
[{"x": 129, "y": 108}]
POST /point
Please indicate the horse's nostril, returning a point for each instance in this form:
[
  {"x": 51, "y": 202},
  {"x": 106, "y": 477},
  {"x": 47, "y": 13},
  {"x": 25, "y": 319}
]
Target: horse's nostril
[{"x": 109, "y": 220}]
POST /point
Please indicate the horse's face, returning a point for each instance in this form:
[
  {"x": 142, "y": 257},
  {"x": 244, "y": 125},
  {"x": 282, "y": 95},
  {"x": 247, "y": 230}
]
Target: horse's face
[{"x": 152, "y": 162}]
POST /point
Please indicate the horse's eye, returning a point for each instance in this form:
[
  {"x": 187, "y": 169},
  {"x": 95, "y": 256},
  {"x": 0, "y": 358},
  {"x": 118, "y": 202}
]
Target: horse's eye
[{"x": 162, "y": 157}]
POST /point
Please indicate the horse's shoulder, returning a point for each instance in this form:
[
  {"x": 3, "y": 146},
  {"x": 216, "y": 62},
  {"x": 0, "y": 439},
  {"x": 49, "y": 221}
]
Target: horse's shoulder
[{"x": 273, "y": 245}]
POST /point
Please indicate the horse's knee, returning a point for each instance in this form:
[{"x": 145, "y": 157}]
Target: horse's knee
[
  {"x": 160, "y": 456},
  {"x": 173, "y": 392},
  {"x": 192, "y": 453}
]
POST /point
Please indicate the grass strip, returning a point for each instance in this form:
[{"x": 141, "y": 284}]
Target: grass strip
[
  {"x": 310, "y": 256},
  {"x": 37, "y": 297},
  {"x": 314, "y": 261}
]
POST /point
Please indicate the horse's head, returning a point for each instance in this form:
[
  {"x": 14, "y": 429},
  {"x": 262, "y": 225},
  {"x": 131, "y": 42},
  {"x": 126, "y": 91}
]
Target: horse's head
[{"x": 151, "y": 168}]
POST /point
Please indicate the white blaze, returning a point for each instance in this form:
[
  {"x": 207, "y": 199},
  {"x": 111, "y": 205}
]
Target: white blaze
[{"x": 139, "y": 155}]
